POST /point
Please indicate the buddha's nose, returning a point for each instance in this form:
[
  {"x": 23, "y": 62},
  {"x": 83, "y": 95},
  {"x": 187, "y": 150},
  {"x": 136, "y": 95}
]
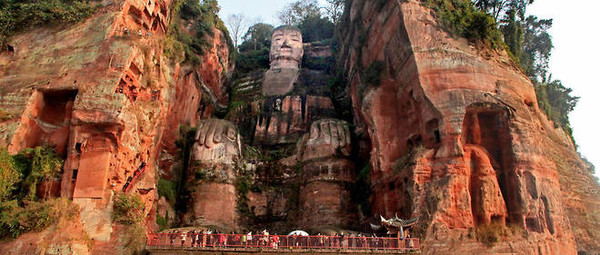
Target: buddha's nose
[{"x": 286, "y": 43}]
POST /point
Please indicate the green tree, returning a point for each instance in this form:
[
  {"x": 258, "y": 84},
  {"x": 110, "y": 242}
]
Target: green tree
[
  {"x": 556, "y": 100},
  {"x": 294, "y": 13},
  {"x": 192, "y": 28},
  {"x": 334, "y": 9},
  {"x": 536, "y": 49},
  {"x": 493, "y": 7},
  {"x": 316, "y": 28},
  {"x": 513, "y": 33},
  {"x": 498, "y": 8},
  {"x": 257, "y": 37},
  {"x": 36, "y": 164}
]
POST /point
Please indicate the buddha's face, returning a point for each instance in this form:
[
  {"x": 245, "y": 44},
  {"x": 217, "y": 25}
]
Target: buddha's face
[{"x": 286, "y": 48}]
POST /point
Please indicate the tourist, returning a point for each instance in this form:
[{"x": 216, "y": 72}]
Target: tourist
[
  {"x": 275, "y": 241},
  {"x": 172, "y": 237},
  {"x": 197, "y": 237},
  {"x": 222, "y": 240},
  {"x": 249, "y": 237},
  {"x": 320, "y": 240},
  {"x": 183, "y": 239},
  {"x": 244, "y": 238},
  {"x": 266, "y": 238}
]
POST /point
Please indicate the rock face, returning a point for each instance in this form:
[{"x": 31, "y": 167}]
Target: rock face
[
  {"x": 449, "y": 132},
  {"x": 457, "y": 136},
  {"x": 106, "y": 98}
]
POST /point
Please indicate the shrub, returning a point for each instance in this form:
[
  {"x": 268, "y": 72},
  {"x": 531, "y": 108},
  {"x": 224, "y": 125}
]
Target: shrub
[
  {"x": 4, "y": 116},
  {"x": 163, "y": 222},
  {"x": 252, "y": 60},
  {"x": 18, "y": 15},
  {"x": 128, "y": 209},
  {"x": 461, "y": 18},
  {"x": 33, "y": 216},
  {"x": 325, "y": 64},
  {"x": 9, "y": 175},
  {"x": 492, "y": 233},
  {"x": 167, "y": 189},
  {"x": 37, "y": 164}
]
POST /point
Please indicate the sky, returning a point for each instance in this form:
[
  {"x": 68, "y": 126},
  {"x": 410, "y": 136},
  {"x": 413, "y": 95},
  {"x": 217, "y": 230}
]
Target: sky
[{"x": 574, "y": 59}]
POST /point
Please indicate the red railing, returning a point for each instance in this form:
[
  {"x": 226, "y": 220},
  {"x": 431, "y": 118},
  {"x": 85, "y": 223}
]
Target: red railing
[
  {"x": 197, "y": 240},
  {"x": 132, "y": 179}
]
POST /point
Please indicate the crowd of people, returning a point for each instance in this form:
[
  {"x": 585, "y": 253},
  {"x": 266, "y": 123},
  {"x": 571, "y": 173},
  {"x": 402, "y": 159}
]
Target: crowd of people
[{"x": 209, "y": 238}]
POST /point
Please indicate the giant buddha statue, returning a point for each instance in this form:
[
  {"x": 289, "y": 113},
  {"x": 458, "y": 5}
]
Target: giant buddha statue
[{"x": 287, "y": 107}]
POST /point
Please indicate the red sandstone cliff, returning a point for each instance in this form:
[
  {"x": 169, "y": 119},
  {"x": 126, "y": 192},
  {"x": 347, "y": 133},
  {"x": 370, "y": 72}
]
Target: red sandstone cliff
[
  {"x": 453, "y": 131},
  {"x": 458, "y": 139},
  {"x": 106, "y": 99}
]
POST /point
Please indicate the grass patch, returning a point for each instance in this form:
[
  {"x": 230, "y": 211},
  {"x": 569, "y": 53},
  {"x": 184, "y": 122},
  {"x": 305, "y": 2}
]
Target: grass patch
[{"x": 492, "y": 233}]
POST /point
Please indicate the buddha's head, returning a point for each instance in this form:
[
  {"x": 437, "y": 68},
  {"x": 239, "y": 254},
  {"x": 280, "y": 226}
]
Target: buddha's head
[{"x": 286, "y": 47}]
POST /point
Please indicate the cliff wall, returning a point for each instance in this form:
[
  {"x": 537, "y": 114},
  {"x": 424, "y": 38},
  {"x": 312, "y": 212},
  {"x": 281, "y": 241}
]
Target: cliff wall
[
  {"x": 107, "y": 97},
  {"x": 457, "y": 138}
]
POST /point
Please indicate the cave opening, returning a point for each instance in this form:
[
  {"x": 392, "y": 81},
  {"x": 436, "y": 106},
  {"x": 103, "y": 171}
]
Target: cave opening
[
  {"x": 53, "y": 120},
  {"x": 57, "y": 106}
]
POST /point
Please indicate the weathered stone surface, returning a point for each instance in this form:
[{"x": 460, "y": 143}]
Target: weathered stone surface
[
  {"x": 279, "y": 81},
  {"x": 216, "y": 141},
  {"x": 216, "y": 149},
  {"x": 324, "y": 199},
  {"x": 286, "y": 48},
  {"x": 214, "y": 204},
  {"x": 452, "y": 133},
  {"x": 287, "y": 118},
  {"x": 328, "y": 138},
  {"x": 107, "y": 99},
  {"x": 456, "y": 135}
]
